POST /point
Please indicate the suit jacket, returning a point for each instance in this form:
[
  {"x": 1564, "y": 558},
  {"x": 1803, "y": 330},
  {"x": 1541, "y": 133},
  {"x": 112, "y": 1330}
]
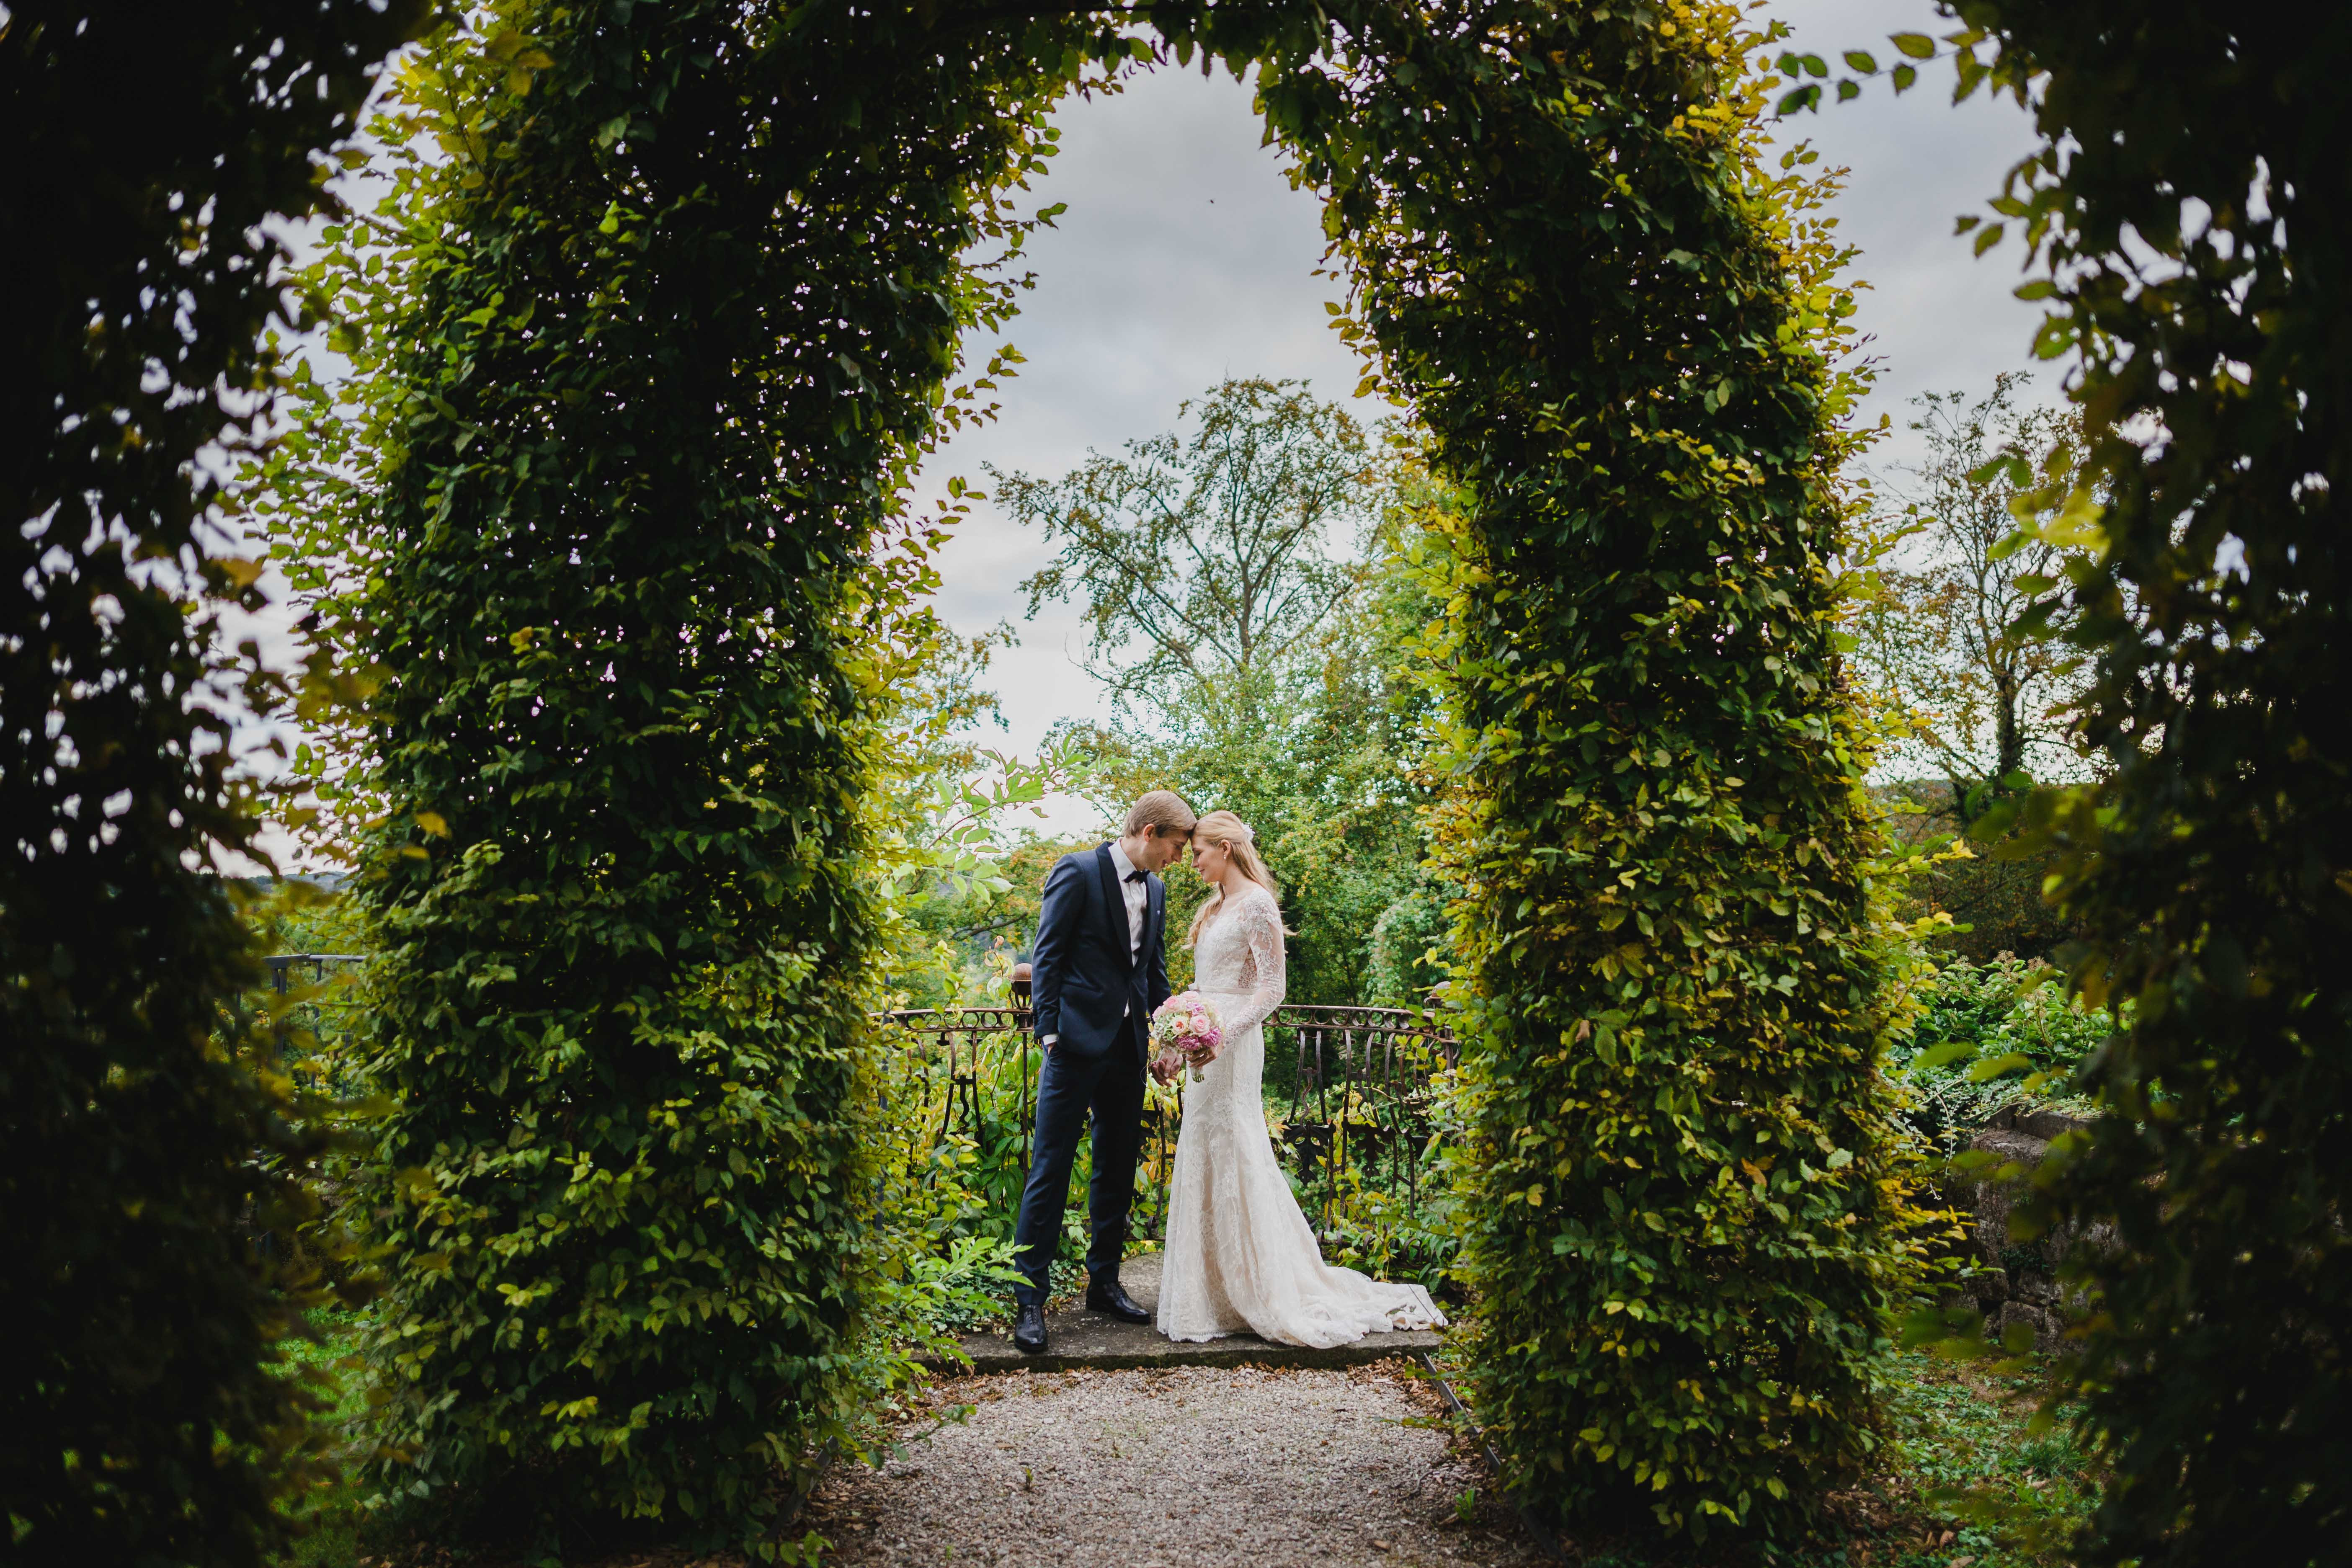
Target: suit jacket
[{"x": 1083, "y": 984}]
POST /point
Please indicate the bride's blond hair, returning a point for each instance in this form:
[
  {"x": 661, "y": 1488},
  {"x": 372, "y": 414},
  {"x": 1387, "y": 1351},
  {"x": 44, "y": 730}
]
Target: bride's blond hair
[{"x": 1223, "y": 827}]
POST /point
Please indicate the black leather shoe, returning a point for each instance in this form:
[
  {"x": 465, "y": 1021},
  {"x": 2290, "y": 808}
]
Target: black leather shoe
[
  {"x": 1107, "y": 1297},
  {"x": 1029, "y": 1331}
]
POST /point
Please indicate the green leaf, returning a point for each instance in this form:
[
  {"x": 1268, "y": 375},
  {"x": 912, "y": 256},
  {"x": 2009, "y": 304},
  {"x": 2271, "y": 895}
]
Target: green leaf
[
  {"x": 1995, "y": 1067},
  {"x": 1917, "y": 46},
  {"x": 1937, "y": 1056},
  {"x": 1859, "y": 60},
  {"x": 2007, "y": 466}
]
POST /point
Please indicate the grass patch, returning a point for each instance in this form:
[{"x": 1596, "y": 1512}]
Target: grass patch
[
  {"x": 334, "y": 1522},
  {"x": 1977, "y": 1479}
]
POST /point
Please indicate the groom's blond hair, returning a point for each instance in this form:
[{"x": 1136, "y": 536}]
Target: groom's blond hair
[{"x": 1163, "y": 810}]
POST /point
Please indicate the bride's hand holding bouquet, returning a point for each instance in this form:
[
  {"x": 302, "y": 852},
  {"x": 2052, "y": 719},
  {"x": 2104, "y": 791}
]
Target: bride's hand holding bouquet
[{"x": 1188, "y": 1031}]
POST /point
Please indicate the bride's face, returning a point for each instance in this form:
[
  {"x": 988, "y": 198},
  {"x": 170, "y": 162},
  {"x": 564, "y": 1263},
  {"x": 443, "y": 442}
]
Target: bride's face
[{"x": 1211, "y": 861}]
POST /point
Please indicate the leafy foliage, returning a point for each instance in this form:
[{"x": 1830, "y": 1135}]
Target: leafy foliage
[
  {"x": 149, "y": 151},
  {"x": 613, "y": 509},
  {"x": 1211, "y": 551},
  {"x": 1986, "y": 1037},
  {"x": 2183, "y": 216},
  {"x": 1684, "y": 1219},
  {"x": 1987, "y": 898}
]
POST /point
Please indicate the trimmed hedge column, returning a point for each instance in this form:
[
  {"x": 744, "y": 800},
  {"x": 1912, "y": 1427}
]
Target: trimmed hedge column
[
  {"x": 675, "y": 311},
  {"x": 1684, "y": 1226}
]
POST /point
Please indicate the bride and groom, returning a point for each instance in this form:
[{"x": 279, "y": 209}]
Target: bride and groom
[{"x": 1239, "y": 1253}]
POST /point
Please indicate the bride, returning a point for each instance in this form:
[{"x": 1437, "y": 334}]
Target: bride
[{"x": 1240, "y": 1255}]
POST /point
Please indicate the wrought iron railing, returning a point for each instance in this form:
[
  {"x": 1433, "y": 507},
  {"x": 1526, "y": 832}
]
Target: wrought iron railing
[
  {"x": 1360, "y": 1096},
  {"x": 1350, "y": 1102},
  {"x": 317, "y": 1010},
  {"x": 283, "y": 966}
]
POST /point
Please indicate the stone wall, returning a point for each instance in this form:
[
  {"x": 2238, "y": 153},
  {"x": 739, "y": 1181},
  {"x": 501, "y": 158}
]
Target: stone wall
[{"x": 2012, "y": 1281}]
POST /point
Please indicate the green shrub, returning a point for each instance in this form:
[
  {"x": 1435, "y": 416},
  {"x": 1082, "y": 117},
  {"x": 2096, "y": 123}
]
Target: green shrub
[
  {"x": 152, "y": 152},
  {"x": 1988, "y": 1035},
  {"x": 1683, "y": 1174},
  {"x": 612, "y": 513},
  {"x": 1403, "y": 939},
  {"x": 1994, "y": 895}
]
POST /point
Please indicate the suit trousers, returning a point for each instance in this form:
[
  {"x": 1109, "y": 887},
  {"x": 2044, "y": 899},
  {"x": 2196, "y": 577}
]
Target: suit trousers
[{"x": 1071, "y": 1091}]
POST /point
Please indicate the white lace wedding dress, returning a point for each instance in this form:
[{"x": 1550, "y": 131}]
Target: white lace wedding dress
[{"x": 1240, "y": 1255}]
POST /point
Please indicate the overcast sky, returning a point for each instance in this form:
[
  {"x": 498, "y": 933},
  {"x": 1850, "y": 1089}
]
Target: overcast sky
[{"x": 1185, "y": 257}]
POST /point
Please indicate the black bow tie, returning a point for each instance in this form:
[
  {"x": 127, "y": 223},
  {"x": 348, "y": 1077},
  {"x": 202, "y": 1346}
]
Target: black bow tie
[{"x": 1135, "y": 876}]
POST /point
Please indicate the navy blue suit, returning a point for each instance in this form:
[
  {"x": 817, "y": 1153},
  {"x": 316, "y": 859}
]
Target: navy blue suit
[{"x": 1092, "y": 987}]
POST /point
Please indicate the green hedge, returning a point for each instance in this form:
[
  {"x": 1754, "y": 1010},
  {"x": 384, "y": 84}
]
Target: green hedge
[
  {"x": 1685, "y": 1227},
  {"x": 2185, "y": 215},
  {"x": 2207, "y": 875},
  {"x": 146, "y": 1413},
  {"x": 643, "y": 357}
]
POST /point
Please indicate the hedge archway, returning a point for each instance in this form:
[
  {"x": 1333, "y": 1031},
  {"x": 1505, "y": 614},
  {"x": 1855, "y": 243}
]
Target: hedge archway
[{"x": 682, "y": 307}]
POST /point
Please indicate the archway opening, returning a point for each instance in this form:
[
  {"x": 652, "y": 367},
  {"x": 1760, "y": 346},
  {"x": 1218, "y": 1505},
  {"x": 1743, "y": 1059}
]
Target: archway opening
[{"x": 676, "y": 319}]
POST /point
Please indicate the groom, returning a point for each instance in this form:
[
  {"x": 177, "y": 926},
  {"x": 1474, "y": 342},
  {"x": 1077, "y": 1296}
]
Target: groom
[{"x": 1098, "y": 973}]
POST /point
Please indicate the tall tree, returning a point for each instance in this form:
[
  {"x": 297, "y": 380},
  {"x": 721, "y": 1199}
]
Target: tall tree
[
  {"x": 1251, "y": 658},
  {"x": 150, "y": 149},
  {"x": 1993, "y": 704},
  {"x": 1978, "y": 708},
  {"x": 1204, "y": 562}
]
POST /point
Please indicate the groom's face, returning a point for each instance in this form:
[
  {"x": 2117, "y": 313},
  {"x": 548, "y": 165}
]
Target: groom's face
[{"x": 1161, "y": 848}]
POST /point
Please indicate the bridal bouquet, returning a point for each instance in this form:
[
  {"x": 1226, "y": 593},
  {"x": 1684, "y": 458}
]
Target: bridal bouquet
[{"x": 1186, "y": 1025}]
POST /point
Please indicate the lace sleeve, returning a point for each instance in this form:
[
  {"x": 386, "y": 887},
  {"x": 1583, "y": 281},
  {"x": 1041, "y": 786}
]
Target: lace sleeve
[{"x": 1260, "y": 926}]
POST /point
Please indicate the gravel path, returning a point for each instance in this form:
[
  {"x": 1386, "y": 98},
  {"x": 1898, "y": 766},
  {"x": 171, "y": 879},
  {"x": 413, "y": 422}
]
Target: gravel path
[{"x": 1186, "y": 1468}]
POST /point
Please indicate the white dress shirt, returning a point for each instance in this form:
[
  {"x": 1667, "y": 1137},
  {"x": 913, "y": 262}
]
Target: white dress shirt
[{"x": 1136, "y": 896}]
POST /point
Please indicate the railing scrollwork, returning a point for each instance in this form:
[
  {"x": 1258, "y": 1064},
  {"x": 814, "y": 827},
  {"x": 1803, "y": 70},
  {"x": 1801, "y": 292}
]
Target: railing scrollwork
[{"x": 1348, "y": 1099}]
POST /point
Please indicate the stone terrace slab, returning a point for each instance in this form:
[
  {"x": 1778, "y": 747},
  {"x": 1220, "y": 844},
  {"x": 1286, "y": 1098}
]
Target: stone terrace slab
[{"x": 1078, "y": 1339}]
